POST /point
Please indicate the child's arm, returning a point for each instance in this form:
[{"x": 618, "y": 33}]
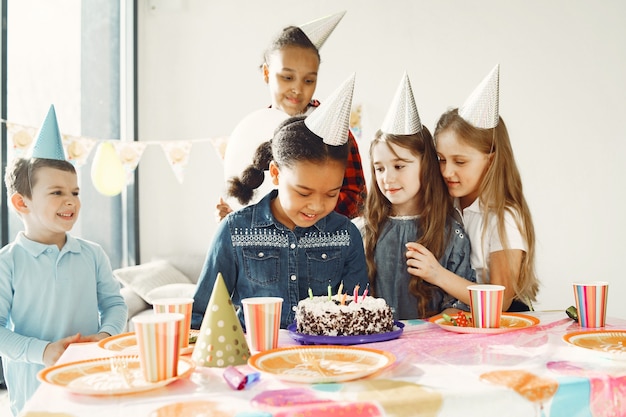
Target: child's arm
[
  {"x": 355, "y": 268},
  {"x": 423, "y": 264},
  {"x": 54, "y": 350},
  {"x": 220, "y": 258},
  {"x": 353, "y": 188},
  {"x": 113, "y": 309},
  {"x": 504, "y": 269}
]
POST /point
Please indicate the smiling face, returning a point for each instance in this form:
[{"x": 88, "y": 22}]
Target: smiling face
[
  {"x": 53, "y": 207},
  {"x": 307, "y": 192},
  {"x": 397, "y": 171},
  {"x": 462, "y": 166},
  {"x": 291, "y": 74}
]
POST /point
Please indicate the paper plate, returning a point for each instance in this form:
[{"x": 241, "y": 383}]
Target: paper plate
[
  {"x": 508, "y": 322},
  {"x": 307, "y": 339},
  {"x": 318, "y": 364},
  {"x": 608, "y": 343},
  {"x": 127, "y": 343},
  {"x": 95, "y": 377}
]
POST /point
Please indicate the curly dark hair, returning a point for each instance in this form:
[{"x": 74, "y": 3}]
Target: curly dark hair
[{"x": 293, "y": 142}]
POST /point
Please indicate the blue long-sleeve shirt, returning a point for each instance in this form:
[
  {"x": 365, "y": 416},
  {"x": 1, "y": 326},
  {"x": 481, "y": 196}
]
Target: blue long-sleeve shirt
[
  {"x": 47, "y": 294},
  {"x": 259, "y": 256}
]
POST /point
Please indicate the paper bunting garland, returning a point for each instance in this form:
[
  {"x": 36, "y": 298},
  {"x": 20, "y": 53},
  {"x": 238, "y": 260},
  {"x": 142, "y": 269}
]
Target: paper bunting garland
[
  {"x": 130, "y": 153},
  {"x": 177, "y": 154},
  {"x": 21, "y": 137},
  {"x": 21, "y": 140},
  {"x": 77, "y": 149}
]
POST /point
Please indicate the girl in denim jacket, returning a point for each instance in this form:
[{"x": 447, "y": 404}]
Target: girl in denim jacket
[{"x": 292, "y": 240}]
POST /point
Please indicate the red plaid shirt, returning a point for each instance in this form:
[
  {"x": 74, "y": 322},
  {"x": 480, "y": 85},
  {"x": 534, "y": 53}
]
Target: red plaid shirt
[{"x": 353, "y": 189}]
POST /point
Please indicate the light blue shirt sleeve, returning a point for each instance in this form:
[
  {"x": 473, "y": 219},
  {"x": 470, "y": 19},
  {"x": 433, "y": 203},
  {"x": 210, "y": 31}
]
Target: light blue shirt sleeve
[{"x": 47, "y": 294}]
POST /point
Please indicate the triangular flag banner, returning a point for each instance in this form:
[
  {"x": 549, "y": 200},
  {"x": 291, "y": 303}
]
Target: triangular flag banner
[
  {"x": 219, "y": 144},
  {"x": 78, "y": 149},
  {"x": 21, "y": 137},
  {"x": 221, "y": 341},
  {"x": 177, "y": 154},
  {"x": 481, "y": 107},
  {"x": 130, "y": 153}
]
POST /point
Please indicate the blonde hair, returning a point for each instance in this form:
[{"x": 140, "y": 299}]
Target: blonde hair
[
  {"x": 500, "y": 191},
  {"x": 434, "y": 208}
]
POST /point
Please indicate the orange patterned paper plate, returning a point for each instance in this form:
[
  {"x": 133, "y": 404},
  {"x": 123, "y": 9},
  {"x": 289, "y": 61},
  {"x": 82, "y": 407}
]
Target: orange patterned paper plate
[
  {"x": 95, "y": 377},
  {"x": 127, "y": 343},
  {"x": 319, "y": 364},
  {"x": 508, "y": 322},
  {"x": 608, "y": 343}
]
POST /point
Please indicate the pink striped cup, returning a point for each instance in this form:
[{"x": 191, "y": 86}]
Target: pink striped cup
[
  {"x": 176, "y": 305},
  {"x": 486, "y": 305},
  {"x": 591, "y": 298},
  {"x": 159, "y": 346},
  {"x": 262, "y": 317}
]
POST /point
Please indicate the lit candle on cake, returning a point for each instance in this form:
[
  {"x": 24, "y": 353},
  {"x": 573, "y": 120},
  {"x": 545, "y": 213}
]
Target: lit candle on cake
[
  {"x": 310, "y": 293},
  {"x": 365, "y": 292},
  {"x": 330, "y": 291},
  {"x": 343, "y": 299},
  {"x": 356, "y": 293},
  {"x": 340, "y": 288}
]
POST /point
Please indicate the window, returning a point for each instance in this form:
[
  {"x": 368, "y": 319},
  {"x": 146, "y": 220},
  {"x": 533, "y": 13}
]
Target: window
[{"x": 69, "y": 53}]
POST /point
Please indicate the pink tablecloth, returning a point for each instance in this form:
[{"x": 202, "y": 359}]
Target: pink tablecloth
[{"x": 528, "y": 372}]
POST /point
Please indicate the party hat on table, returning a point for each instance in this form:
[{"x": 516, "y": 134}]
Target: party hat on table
[
  {"x": 221, "y": 341},
  {"x": 481, "y": 107},
  {"x": 320, "y": 29},
  {"x": 402, "y": 117},
  {"x": 48, "y": 143},
  {"x": 331, "y": 120}
]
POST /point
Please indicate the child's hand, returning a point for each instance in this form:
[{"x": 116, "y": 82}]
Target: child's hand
[
  {"x": 422, "y": 263},
  {"x": 54, "y": 350},
  {"x": 222, "y": 209}
]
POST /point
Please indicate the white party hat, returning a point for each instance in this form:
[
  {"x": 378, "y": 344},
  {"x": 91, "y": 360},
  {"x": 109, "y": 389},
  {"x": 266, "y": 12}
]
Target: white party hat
[
  {"x": 320, "y": 29},
  {"x": 402, "y": 117},
  {"x": 48, "y": 144},
  {"x": 331, "y": 120},
  {"x": 481, "y": 107}
]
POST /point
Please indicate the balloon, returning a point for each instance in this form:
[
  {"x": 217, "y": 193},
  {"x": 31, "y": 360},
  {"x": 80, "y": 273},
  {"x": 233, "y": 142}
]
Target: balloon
[
  {"x": 107, "y": 171},
  {"x": 250, "y": 132}
]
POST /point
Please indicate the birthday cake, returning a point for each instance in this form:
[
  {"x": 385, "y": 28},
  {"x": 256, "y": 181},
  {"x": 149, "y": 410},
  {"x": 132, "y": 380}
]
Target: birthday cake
[{"x": 342, "y": 316}]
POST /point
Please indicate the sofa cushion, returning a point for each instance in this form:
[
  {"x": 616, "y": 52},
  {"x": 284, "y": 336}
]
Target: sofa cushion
[
  {"x": 172, "y": 291},
  {"x": 189, "y": 264},
  {"x": 145, "y": 277}
]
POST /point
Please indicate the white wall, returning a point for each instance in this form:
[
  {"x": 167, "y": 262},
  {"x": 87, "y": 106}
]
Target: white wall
[{"x": 562, "y": 94}]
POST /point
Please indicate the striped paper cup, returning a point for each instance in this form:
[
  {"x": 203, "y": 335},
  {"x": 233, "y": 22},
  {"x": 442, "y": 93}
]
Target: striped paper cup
[
  {"x": 262, "y": 317},
  {"x": 176, "y": 305},
  {"x": 486, "y": 305},
  {"x": 159, "y": 346},
  {"x": 591, "y": 298}
]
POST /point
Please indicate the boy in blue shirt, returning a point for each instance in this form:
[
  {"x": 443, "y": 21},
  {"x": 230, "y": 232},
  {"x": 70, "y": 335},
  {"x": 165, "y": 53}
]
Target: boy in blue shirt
[{"x": 55, "y": 289}]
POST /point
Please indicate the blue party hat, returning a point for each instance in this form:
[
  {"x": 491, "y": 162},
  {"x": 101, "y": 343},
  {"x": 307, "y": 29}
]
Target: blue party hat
[{"x": 48, "y": 143}]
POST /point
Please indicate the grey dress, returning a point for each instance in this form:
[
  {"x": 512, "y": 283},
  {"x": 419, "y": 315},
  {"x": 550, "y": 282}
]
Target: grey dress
[{"x": 392, "y": 278}]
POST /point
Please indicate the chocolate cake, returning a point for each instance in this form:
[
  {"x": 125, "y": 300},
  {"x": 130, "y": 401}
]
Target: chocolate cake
[{"x": 329, "y": 317}]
